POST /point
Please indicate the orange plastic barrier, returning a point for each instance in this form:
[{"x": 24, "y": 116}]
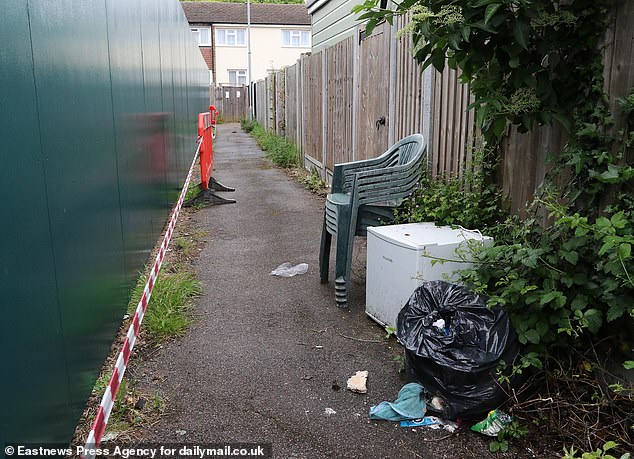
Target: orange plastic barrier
[{"x": 206, "y": 148}]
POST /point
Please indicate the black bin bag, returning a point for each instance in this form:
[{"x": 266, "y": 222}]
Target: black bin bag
[{"x": 456, "y": 360}]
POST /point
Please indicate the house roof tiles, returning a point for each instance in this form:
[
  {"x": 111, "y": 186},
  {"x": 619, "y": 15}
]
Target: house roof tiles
[{"x": 236, "y": 13}]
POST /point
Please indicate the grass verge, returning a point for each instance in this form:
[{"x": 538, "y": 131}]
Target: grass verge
[
  {"x": 168, "y": 315},
  {"x": 277, "y": 148}
]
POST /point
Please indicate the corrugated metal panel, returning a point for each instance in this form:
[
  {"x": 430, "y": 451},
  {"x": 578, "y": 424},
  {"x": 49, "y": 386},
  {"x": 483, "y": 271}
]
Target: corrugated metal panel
[{"x": 96, "y": 132}]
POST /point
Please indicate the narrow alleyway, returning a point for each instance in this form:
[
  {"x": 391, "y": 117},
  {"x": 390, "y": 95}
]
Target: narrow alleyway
[{"x": 268, "y": 355}]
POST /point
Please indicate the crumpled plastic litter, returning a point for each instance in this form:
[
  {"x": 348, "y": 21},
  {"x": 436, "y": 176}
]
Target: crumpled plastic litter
[
  {"x": 288, "y": 270},
  {"x": 432, "y": 422},
  {"x": 410, "y": 404},
  {"x": 493, "y": 424},
  {"x": 456, "y": 363}
]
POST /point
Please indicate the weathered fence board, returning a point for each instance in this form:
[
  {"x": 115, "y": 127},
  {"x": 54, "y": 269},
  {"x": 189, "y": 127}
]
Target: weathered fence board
[
  {"x": 291, "y": 98},
  {"x": 312, "y": 110},
  {"x": 232, "y": 102},
  {"x": 280, "y": 103},
  {"x": 373, "y": 91},
  {"x": 338, "y": 102}
]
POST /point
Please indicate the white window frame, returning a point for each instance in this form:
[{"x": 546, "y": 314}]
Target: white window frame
[
  {"x": 223, "y": 34},
  {"x": 239, "y": 74},
  {"x": 301, "y": 37},
  {"x": 196, "y": 33}
]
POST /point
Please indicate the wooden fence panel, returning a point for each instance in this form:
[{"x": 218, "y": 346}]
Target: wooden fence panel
[
  {"x": 524, "y": 162},
  {"x": 280, "y": 103},
  {"x": 260, "y": 102},
  {"x": 338, "y": 102},
  {"x": 373, "y": 94},
  {"x": 232, "y": 102},
  {"x": 312, "y": 106},
  {"x": 290, "y": 107},
  {"x": 409, "y": 90},
  {"x": 619, "y": 61},
  {"x": 452, "y": 135},
  {"x": 524, "y": 155}
]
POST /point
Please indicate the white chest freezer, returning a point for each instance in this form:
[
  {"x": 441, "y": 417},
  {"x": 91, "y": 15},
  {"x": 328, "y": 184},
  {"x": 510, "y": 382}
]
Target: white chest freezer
[{"x": 401, "y": 257}]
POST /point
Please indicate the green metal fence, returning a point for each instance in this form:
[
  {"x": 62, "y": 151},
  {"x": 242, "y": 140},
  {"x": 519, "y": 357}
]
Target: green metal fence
[{"x": 98, "y": 104}]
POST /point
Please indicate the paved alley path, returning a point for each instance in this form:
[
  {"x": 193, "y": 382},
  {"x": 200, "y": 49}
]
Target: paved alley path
[{"x": 266, "y": 355}]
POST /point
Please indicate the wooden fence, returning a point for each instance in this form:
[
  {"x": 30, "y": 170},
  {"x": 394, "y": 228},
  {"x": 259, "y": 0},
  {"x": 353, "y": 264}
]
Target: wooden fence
[
  {"x": 232, "y": 102},
  {"x": 348, "y": 102},
  {"x": 353, "y": 99}
]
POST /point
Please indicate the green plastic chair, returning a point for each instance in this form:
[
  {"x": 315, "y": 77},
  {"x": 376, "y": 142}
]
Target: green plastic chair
[{"x": 365, "y": 193}]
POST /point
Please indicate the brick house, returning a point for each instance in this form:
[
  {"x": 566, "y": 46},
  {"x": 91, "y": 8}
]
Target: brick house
[{"x": 280, "y": 33}]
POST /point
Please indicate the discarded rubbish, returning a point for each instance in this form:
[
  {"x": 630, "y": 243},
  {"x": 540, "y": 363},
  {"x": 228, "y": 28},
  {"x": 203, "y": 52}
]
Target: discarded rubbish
[
  {"x": 410, "y": 404},
  {"x": 287, "y": 270},
  {"x": 109, "y": 437},
  {"x": 329, "y": 411},
  {"x": 433, "y": 422},
  {"x": 496, "y": 420},
  {"x": 458, "y": 362},
  {"x": 437, "y": 404},
  {"x": 358, "y": 382}
]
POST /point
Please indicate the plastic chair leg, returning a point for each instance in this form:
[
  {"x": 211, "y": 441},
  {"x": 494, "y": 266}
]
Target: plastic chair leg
[
  {"x": 324, "y": 253},
  {"x": 341, "y": 267}
]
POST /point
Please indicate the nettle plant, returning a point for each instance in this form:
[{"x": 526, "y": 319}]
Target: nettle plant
[{"x": 529, "y": 63}]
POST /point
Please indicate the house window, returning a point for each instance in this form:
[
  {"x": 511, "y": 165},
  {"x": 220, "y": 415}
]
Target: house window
[
  {"x": 202, "y": 35},
  {"x": 238, "y": 77},
  {"x": 296, "y": 38},
  {"x": 230, "y": 37}
]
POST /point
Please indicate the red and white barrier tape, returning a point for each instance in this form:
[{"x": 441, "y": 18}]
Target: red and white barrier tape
[{"x": 107, "y": 402}]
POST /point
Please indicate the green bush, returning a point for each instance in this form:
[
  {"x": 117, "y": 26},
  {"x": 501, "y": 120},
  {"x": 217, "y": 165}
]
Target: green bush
[{"x": 468, "y": 200}]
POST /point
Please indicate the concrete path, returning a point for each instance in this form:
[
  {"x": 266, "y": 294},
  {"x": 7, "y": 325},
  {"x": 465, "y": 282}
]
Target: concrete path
[{"x": 268, "y": 355}]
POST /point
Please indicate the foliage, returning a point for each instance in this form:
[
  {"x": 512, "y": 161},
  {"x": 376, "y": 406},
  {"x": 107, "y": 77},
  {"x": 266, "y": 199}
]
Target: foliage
[
  {"x": 514, "y": 430},
  {"x": 278, "y": 149},
  {"x": 468, "y": 200},
  {"x": 600, "y": 453},
  {"x": 565, "y": 271},
  {"x": 192, "y": 191},
  {"x": 168, "y": 313},
  {"x": 312, "y": 181},
  {"x": 571, "y": 277},
  {"x": 528, "y": 61},
  {"x": 247, "y": 125},
  {"x": 400, "y": 361}
]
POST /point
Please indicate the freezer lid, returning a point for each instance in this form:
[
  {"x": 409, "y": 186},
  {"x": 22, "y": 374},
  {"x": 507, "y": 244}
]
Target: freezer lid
[{"x": 416, "y": 236}]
